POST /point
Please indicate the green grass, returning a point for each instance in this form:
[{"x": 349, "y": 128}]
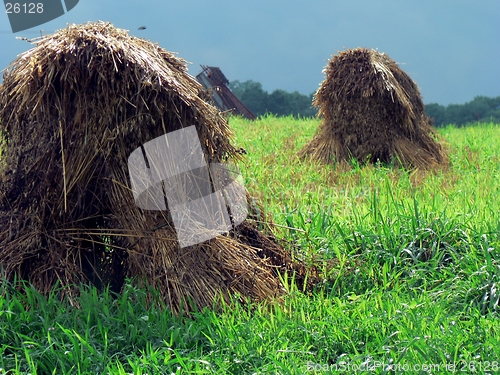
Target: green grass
[{"x": 411, "y": 278}]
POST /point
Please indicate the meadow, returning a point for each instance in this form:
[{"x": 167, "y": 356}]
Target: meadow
[{"x": 409, "y": 265}]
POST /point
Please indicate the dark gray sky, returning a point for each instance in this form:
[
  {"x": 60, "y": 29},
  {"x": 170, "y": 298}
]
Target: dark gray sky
[{"x": 451, "y": 48}]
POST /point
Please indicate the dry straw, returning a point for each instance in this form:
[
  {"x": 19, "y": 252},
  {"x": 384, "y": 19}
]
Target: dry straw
[
  {"x": 372, "y": 111},
  {"x": 73, "y": 109}
]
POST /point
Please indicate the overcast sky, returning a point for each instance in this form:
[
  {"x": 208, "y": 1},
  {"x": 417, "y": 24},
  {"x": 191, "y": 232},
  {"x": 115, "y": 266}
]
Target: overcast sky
[{"x": 451, "y": 48}]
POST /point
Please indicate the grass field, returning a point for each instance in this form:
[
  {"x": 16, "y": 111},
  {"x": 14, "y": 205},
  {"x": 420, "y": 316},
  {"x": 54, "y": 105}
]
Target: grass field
[{"x": 410, "y": 264}]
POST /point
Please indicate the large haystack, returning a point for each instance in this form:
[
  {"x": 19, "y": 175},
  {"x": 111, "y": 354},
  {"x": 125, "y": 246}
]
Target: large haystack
[
  {"x": 372, "y": 111},
  {"x": 74, "y": 108}
]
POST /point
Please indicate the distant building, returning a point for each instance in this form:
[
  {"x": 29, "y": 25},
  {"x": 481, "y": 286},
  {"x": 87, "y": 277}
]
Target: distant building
[{"x": 213, "y": 79}]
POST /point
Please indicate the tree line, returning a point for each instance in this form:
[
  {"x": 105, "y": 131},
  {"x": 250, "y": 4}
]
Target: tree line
[
  {"x": 284, "y": 103},
  {"x": 480, "y": 109},
  {"x": 278, "y": 102}
]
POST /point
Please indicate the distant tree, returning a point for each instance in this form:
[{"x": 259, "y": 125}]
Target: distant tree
[
  {"x": 482, "y": 108},
  {"x": 251, "y": 94},
  {"x": 437, "y": 113},
  {"x": 279, "y": 102},
  {"x": 302, "y": 104}
]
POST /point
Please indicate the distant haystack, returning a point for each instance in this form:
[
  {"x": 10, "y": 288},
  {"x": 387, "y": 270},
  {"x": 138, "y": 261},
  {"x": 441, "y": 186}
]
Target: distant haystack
[
  {"x": 73, "y": 109},
  {"x": 372, "y": 111}
]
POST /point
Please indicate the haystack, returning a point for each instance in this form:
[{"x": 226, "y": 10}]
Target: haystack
[
  {"x": 73, "y": 110},
  {"x": 371, "y": 111}
]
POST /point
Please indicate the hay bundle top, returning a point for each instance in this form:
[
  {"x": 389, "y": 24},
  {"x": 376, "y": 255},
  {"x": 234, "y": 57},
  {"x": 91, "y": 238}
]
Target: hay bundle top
[
  {"x": 372, "y": 111},
  {"x": 73, "y": 109},
  {"x": 98, "y": 75}
]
